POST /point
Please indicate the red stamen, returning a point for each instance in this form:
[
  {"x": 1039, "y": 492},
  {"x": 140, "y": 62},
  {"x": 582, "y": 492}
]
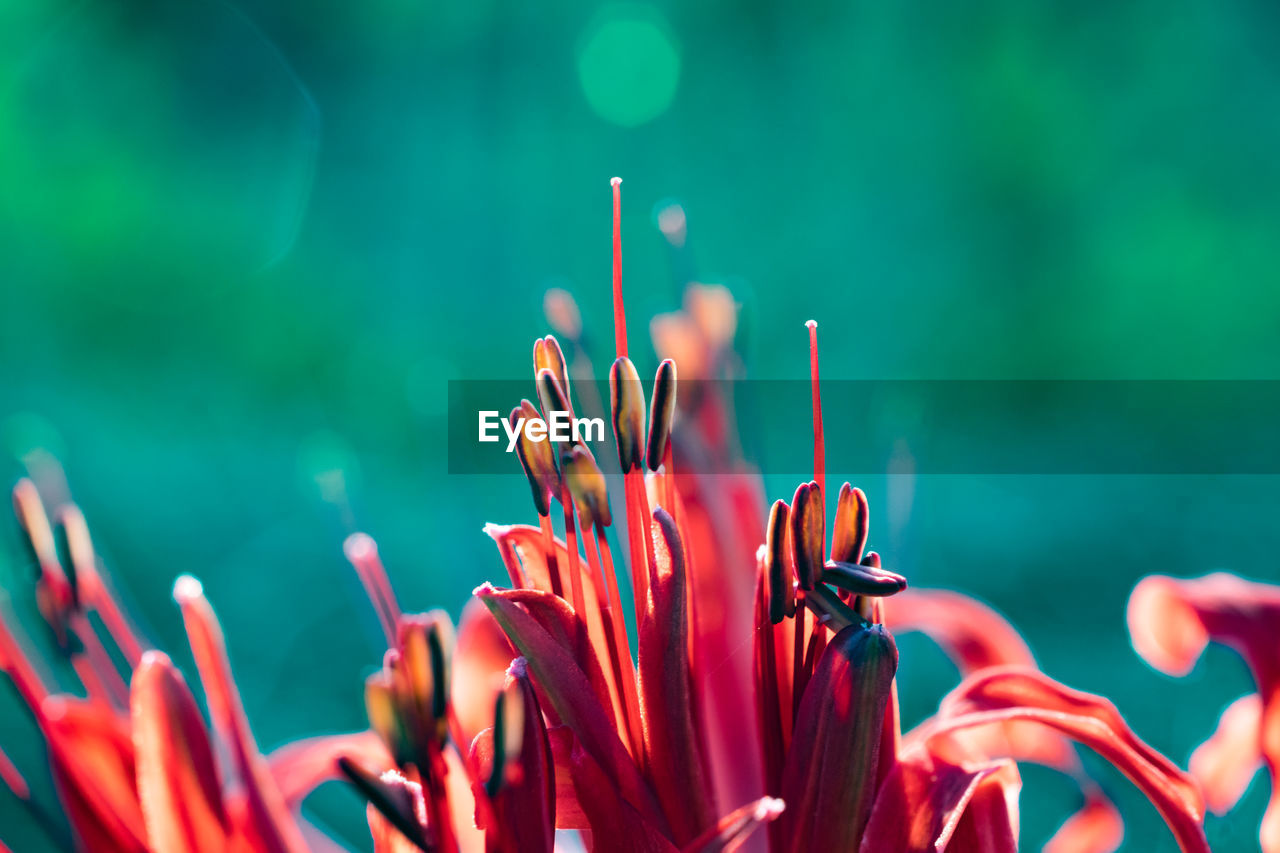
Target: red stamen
[
  {"x": 624, "y": 672},
  {"x": 549, "y": 547},
  {"x": 619, "y": 312},
  {"x": 93, "y": 587},
  {"x": 637, "y": 511},
  {"x": 798, "y": 677},
  {"x": 819, "y": 444},
  {"x": 10, "y": 776},
  {"x": 362, "y": 552},
  {"x": 575, "y": 563}
]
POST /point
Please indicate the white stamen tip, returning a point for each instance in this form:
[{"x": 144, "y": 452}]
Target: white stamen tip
[
  {"x": 359, "y": 546},
  {"x": 186, "y": 588},
  {"x": 615, "y": 181},
  {"x": 812, "y": 324}
]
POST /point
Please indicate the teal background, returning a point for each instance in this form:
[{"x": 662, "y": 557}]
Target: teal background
[{"x": 244, "y": 247}]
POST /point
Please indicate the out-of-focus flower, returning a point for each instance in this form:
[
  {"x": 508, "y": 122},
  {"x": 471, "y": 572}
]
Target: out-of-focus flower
[
  {"x": 1171, "y": 622},
  {"x": 134, "y": 763}
]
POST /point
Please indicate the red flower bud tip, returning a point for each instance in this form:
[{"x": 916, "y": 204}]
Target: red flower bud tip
[{"x": 626, "y": 399}]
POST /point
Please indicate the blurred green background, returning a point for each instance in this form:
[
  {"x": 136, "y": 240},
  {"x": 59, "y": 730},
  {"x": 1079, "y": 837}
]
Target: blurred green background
[{"x": 243, "y": 247}]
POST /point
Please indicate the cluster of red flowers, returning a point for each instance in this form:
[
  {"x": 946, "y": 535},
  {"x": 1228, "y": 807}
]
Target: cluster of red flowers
[{"x": 754, "y": 704}]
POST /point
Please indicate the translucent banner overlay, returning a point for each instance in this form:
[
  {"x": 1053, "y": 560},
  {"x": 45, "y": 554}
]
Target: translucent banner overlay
[{"x": 923, "y": 426}]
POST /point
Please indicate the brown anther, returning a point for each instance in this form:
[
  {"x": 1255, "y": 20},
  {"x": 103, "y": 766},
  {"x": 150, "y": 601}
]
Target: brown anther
[
  {"x": 537, "y": 458},
  {"x": 852, "y": 518},
  {"x": 547, "y": 355},
  {"x": 782, "y": 595},
  {"x": 586, "y": 483},
  {"x": 551, "y": 395},
  {"x": 426, "y": 644},
  {"x": 627, "y": 402},
  {"x": 863, "y": 580},
  {"x": 662, "y": 408},
  {"x": 384, "y": 718},
  {"x": 808, "y": 534}
]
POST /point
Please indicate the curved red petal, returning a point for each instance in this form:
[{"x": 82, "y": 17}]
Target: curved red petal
[
  {"x": 95, "y": 773},
  {"x": 301, "y": 766},
  {"x": 1226, "y": 762},
  {"x": 1096, "y": 828},
  {"x": 974, "y": 636},
  {"x": 1001, "y": 694},
  {"x": 267, "y": 819},
  {"x": 922, "y": 801},
  {"x": 671, "y": 741},
  {"x": 569, "y": 691},
  {"x": 178, "y": 784}
]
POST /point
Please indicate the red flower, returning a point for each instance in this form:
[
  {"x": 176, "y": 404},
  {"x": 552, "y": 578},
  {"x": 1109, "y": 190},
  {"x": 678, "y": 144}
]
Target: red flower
[
  {"x": 1171, "y": 622},
  {"x": 816, "y": 746},
  {"x": 756, "y": 690}
]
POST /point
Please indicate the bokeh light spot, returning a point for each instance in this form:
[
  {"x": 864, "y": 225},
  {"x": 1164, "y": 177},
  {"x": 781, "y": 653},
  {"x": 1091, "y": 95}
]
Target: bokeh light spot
[{"x": 629, "y": 66}]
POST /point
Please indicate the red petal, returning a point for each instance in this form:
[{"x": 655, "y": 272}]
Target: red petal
[
  {"x": 480, "y": 661},
  {"x": 1001, "y": 694},
  {"x": 524, "y": 544},
  {"x": 178, "y": 783},
  {"x": 569, "y": 690},
  {"x": 990, "y": 823},
  {"x": 1171, "y": 621},
  {"x": 730, "y": 831},
  {"x": 615, "y": 824},
  {"x": 268, "y": 821},
  {"x": 1226, "y": 763},
  {"x": 569, "y": 814},
  {"x": 298, "y": 768},
  {"x": 556, "y": 617},
  {"x": 828, "y": 782},
  {"x": 94, "y": 769},
  {"x": 671, "y": 741},
  {"x": 1096, "y": 828},
  {"x": 721, "y": 525},
  {"x": 971, "y": 633},
  {"x": 974, "y": 636},
  {"x": 524, "y": 798},
  {"x": 920, "y": 804}
]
